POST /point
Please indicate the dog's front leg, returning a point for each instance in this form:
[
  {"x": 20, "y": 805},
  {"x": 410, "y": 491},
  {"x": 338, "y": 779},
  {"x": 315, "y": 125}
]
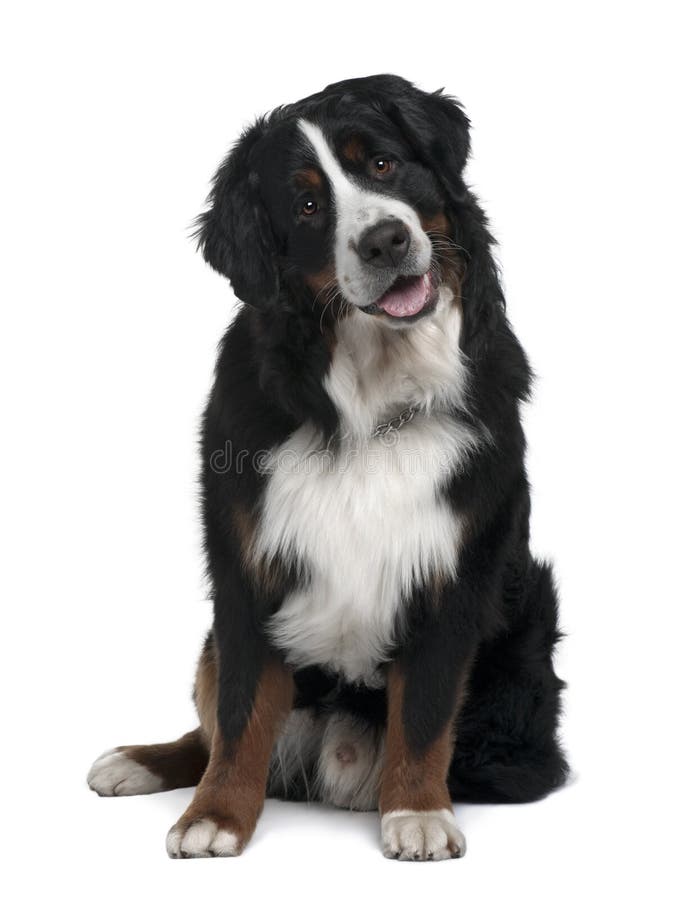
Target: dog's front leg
[
  {"x": 255, "y": 694},
  {"x": 425, "y": 688}
]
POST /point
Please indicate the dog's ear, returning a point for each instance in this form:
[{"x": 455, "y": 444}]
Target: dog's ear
[
  {"x": 436, "y": 126},
  {"x": 234, "y": 233}
]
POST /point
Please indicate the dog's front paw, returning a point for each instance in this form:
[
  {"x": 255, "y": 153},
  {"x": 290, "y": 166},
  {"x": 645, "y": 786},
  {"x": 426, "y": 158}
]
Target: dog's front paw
[
  {"x": 421, "y": 835},
  {"x": 202, "y": 838}
]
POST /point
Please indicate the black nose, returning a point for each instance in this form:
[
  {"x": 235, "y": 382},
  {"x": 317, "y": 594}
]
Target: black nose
[{"x": 385, "y": 244}]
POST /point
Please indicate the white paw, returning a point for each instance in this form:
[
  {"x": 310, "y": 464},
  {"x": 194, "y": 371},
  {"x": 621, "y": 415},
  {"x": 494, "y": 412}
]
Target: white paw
[
  {"x": 421, "y": 835},
  {"x": 115, "y": 775},
  {"x": 200, "y": 839}
]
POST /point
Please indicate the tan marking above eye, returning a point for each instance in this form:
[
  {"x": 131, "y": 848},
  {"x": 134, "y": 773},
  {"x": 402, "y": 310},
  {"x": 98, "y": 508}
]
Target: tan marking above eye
[
  {"x": 309, "y": 178},
  {"x": 353, "y": 150}
]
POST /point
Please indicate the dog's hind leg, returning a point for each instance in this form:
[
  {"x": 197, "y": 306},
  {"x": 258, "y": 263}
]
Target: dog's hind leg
[
  {"x": 507, "y": 748},
  {"x": 146, "y": 769}
]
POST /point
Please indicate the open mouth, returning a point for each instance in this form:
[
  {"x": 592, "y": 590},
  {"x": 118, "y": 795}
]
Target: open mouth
[{"x": 409, "y": 297}]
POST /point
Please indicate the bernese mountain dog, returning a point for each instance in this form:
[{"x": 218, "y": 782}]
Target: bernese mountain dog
[{"x": 382, "y": 636}]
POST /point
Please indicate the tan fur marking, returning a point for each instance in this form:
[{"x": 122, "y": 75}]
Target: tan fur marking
[
  {"x": 245, "y": 525},
  {"x": 206, "y": 690},
  {"x": 321, "y": 280},
  {"x": 437, "y": 224},
  {"x": 266, "y": 574},
  {"x": 413, "y": 782},
  {"x": 325, "y": 288},
  {"x": 353, "y": 150},
  {"x": 448, "y": 259},
  {"x": 232, "y": 790},
  {"x": 309, "y": 178}
]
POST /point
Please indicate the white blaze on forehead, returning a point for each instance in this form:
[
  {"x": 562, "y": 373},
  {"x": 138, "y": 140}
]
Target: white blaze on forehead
[
  {"x": 356, "y": 209},
  {"x": 339, "y": 182}
]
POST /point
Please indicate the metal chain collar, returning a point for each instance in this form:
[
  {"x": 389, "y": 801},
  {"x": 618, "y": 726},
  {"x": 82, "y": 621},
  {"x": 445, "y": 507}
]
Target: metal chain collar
[{"x": 397, "y": 422}]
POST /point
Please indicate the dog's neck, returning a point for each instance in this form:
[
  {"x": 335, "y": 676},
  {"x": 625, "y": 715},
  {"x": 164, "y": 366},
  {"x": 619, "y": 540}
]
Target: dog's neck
[{"x": 377, "y": 371}]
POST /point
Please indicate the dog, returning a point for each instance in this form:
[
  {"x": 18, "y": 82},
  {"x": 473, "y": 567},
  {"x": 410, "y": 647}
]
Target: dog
[{"x": 382, "y": 636}]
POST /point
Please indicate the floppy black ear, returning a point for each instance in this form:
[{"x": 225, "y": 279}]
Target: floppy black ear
[
  {"x": 439, "y": 130},
  {"x": 234, "y": 233}
]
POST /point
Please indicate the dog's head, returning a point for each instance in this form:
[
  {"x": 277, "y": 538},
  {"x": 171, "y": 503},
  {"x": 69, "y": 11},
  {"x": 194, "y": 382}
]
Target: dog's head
[{"x": 350, "y": 194}]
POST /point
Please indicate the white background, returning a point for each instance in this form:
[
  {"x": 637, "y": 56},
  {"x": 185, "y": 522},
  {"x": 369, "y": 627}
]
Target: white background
[{"x": 114, "y": 117}]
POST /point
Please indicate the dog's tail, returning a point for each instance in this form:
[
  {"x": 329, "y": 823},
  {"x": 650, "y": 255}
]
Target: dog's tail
[{"x": 507, "y": 748}]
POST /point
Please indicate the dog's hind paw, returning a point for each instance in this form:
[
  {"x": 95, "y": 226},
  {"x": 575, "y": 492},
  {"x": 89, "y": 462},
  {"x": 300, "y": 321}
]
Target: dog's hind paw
[{"x": 114, "y": 774}]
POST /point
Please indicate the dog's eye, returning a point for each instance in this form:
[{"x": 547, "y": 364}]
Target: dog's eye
[
  {"x": 382, "y": 166},
  {"x": 309, "y": 208}
]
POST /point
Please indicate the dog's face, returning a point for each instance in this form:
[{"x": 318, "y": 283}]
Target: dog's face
[
  {"x": 348, "y": 193},
  {"x": 353, "y": 209}
]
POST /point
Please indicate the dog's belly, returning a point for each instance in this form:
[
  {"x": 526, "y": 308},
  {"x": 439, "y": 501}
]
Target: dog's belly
[{"x": 366, "y": 528}]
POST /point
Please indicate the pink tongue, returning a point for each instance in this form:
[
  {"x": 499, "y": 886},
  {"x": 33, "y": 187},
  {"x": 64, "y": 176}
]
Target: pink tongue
[{"x": 407, "y": 299}]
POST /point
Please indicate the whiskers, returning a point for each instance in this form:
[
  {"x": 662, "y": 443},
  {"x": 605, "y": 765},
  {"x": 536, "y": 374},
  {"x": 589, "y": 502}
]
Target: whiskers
[
  {"x": 448, "y": 260},
  {"x": 328, "y": 295},
  {"x": 324, "y": 295},
  {"x": 440, "y": 241}
]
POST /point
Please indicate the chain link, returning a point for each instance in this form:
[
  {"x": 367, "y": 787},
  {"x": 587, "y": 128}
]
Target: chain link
[{"x": 397, "y": 422}]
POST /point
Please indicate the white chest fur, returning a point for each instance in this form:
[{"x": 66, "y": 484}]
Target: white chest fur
[{"x": 367, "y": 524}]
